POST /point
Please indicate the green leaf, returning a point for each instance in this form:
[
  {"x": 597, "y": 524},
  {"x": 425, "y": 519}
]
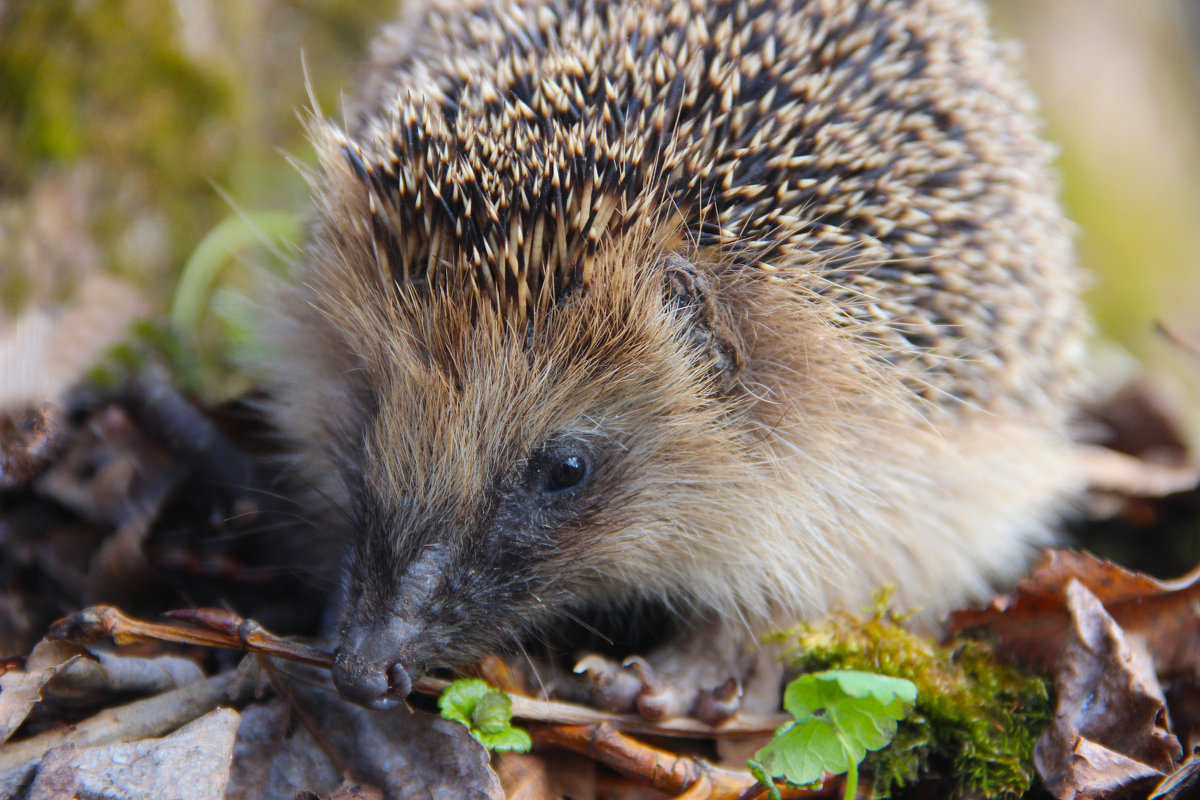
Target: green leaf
[
  {"x": 486, "y": 712},
  {"x": 802, "y": 752},
  {"x": 840, "y": 716},
  {"x": 218, "y": 248},
  {"x": 493, "y": 712},
  {"x": 975, "y": 721},
  {"x": 458, "y": 700},
  {"x": 810, "y": 693},
  {"x": 508, "y": 740}
]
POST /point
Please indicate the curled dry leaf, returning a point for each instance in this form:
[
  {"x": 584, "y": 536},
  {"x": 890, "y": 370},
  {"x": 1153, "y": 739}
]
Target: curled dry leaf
[
  {"x": 1093, "y": 772},
  {"x": 1147, "y": 418},
  {"x": 1109, "y": 734},
  {"x": 20, "y": 690},
  {"x": 101, "y": 675},
  {"x": 1032, "y": 622}
]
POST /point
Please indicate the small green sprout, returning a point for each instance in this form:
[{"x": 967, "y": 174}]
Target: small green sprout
[
  {"x": 975, "y": 722},
  {"x": 487, "y": 713},
  {"x": 278, "y": 230},
  {"x": 840, "y": 716}
]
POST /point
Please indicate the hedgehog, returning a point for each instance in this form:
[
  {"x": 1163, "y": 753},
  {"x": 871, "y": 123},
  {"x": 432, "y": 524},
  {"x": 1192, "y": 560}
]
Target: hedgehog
[{"x": 741, "y": 308}]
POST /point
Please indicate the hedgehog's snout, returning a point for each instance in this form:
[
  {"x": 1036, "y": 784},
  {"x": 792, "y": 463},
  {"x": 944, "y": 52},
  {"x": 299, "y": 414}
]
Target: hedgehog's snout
[
  {"x": 368, "y": 668},
  {"x": 385, "y": 629}
]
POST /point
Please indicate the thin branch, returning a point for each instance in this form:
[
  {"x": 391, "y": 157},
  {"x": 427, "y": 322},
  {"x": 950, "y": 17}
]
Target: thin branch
[
  {"x": 210, "y": 627},
  {"x": 663, "y": 770},
  {"x": 1109, "y": 471}
]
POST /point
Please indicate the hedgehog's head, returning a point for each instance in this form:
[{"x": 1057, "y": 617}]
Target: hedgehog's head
[
  {"x": 541, "y": 409},
  {"x": 508, "y": 475}
]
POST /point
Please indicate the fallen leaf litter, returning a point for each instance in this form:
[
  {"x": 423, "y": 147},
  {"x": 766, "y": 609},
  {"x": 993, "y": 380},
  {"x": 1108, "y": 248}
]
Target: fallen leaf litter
[{"x": 92, "y": 509}]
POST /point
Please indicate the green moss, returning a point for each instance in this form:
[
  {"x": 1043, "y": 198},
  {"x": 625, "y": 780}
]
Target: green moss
[
  {"x": 976, "y": 721},
  {"x": 108, "y": 78},
  {"x": 151, "y": 122},
  {"x": 169, "y": 111}
]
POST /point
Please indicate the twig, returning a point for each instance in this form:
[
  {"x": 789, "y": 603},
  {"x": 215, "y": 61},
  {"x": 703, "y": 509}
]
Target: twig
[
  {"x": 1109, "y": 471},
  {"x": 210, "y": 627},
  {"x": 220, "y": 629},
  {"x": 597, "y": 734},
  {"x": 550, "y": 711},
  {"x": 663, "y": 770}
]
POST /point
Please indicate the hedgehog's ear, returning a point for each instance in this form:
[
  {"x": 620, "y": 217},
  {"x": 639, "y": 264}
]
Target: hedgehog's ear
[{"x": 689, "y": 293}]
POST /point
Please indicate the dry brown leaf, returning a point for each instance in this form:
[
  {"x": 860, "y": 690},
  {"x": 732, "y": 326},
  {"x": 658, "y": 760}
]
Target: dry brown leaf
[
  {"x": 1109, "y": 733},
  {"x": 403, "y": 754},
  {"x": 101, "y": 675},
  {"x": 1032, "y": 623},
  {"x": 617, "y": 787},
  {"x": 190, "y": 764},
  {"x": 548, "y": 775},
  {"x": 1147, "y": 417},
  {"x": 525, "y": 777},
  {"x": 262, "y": 728},
  {"x": 141, "y": 719},
  {"x": 1182, "y": 784},
  {"x": 1093, "y": 772},
  {"x": 20, "y": 691},
  {"x": 1183, "y": 700}
]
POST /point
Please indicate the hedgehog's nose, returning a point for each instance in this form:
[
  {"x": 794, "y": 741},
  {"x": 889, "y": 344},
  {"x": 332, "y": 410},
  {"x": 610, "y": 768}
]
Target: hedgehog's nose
[{"x": 371, "y": 682}]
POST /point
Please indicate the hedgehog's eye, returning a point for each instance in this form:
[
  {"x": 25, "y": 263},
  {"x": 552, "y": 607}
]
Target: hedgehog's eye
[{"x": 565, "y": 473}]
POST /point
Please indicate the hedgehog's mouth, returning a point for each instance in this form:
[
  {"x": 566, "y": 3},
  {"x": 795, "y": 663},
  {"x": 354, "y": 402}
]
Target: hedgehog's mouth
[
  {"x": 375, "y": 685},
  {"x": 371, "y": 668}
]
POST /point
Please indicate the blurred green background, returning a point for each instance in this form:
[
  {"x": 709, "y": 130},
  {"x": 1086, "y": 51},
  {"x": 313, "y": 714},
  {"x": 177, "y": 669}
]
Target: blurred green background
[{"x": 130, "y": 128}]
